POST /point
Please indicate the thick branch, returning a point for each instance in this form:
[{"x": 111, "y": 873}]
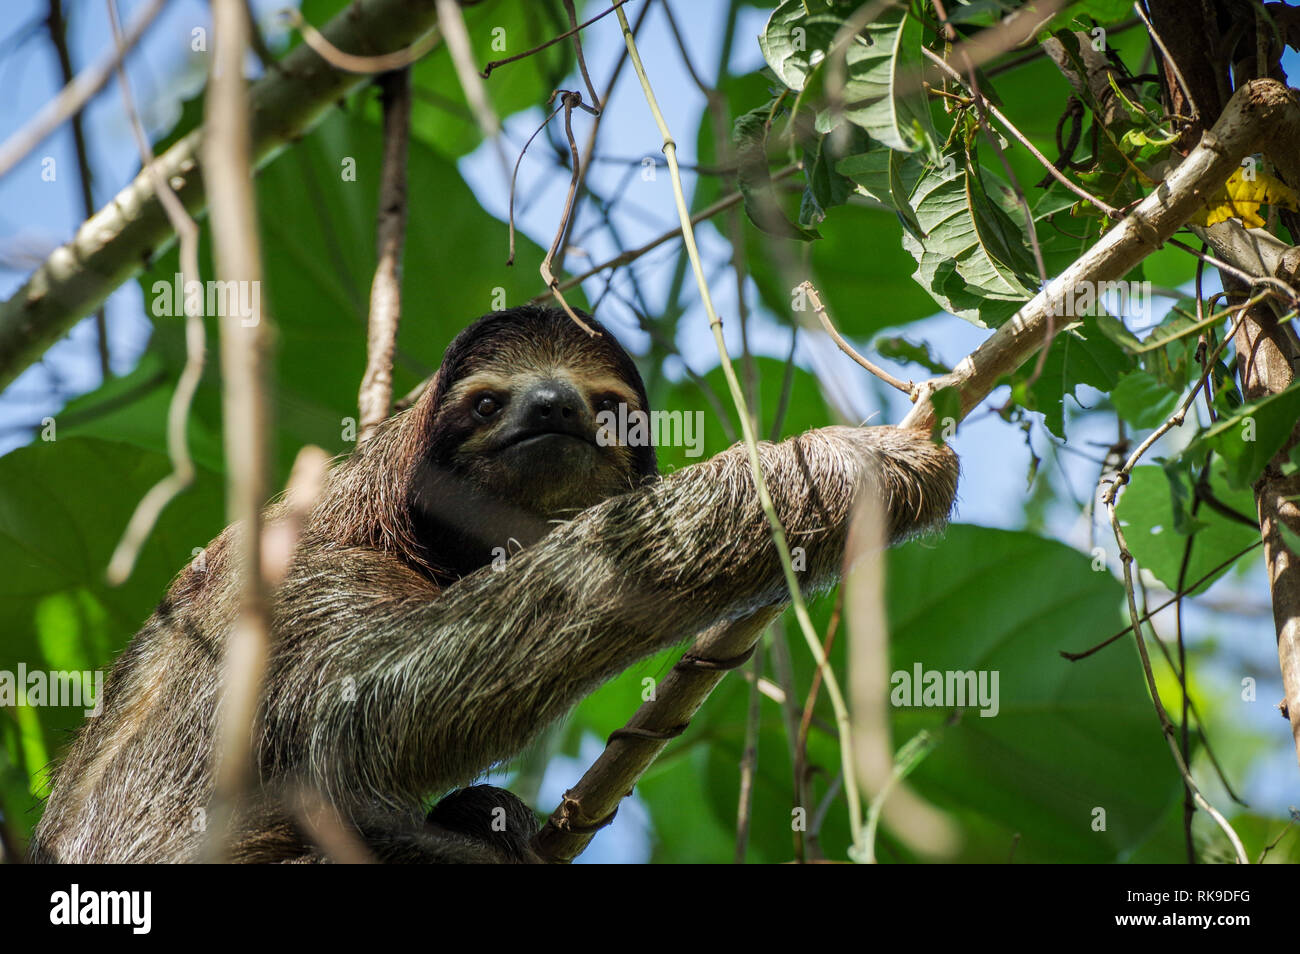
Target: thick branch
[
  {"x": 114, "y": 244},
  {"x": 1267, "y": 355},
  {"x": 1262, "y": 114}
]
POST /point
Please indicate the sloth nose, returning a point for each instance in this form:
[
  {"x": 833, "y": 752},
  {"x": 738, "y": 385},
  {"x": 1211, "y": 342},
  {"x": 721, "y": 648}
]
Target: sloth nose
[{"x": 553, "y": 406}]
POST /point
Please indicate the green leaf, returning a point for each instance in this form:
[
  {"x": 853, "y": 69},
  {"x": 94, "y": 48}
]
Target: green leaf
[
  {"x": 882, "y": 92},
  {"x": 1142, "y": 400},
  {"x": 887, "y": 176},
  {"x": 971, "y": 259},
  {"x": 761, "y": 202},
  {"x": 795, "y": 41},
  {"x": 827, "y": 186},
  {"x": 1084, "y": 354},
  {"x": 898, "y": 348},
  {"x": 1103, "y": 11},
  {"x": 1067, "y": 737},
  {"x": 64, "y": 507},
  {"x": 1248, "y": 438},
  {"x": 1155, "y": 511},
  {"x": 882, "y": 65},
  {"x": 947, "y": 409}
]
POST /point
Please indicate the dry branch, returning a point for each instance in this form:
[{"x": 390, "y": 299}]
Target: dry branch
[{"x": 73, "y": 98}]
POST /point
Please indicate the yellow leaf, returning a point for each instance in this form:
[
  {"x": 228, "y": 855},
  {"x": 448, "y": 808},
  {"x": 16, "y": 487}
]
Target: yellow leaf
[{"x": 1242, "y": 196}]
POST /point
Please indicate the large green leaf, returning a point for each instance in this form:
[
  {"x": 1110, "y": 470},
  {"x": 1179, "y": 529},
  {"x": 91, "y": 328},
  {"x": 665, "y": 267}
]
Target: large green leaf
[
  {"x": 1069, "y": 737},
  {"x": 882, "y": 90},
  {"x": 1155, "y": 511},
  {"x": 970, "y": 256}
]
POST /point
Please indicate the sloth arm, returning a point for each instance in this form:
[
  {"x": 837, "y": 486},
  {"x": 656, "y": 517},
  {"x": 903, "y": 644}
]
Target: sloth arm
[{"x": 383, "y": 695}]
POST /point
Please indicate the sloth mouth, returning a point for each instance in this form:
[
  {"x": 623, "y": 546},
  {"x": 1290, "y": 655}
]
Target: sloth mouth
[{"x": 536, "y": 438}]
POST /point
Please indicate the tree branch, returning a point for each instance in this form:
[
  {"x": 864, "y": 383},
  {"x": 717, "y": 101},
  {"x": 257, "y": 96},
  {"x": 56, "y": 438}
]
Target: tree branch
[
  {"x": 59, "y": 37},
  {"x": 1262, "y": 114},
  {"x": 386, "y": 290},
  {"x": 590, "y": 805},
  {"x": 113, "y": 245},
  {"x": 1267, "y": 356}
]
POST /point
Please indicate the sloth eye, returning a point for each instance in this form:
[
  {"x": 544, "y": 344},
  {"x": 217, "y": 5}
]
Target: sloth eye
[
  {"x": 486, "y": 406},
  {"x": 607, "y": 403}
]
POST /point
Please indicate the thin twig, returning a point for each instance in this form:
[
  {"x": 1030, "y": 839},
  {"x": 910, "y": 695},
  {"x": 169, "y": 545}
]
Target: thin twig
[
  {"x": 749, "y": 761},
  {"x": 589, "y": 152},
  {"x": 716, "y": 104},
  {"x": 907, "y": 387},
  {"x": 801, "y": 790},
  {"x": 1109, "y": 498},
  {"x": 760, "y": 483},
  {"x": 1084, "y": 654},
  {"x": 1176, "y": 419},
  {"x": 569, "y": 100},
  {"x": 1126, "y": 559},
  {"x": 376, "y": 393},
  {"x": 325, "y": 828},
  {"x": 265, "y": 55},
  {"x": 1280, "y": 835},
  {"x": 280, "y": 538},
  {"x": 59, "y": 38},
  {"x": 1288, "y": 292},
  {"x": 787, "y": 386},
  {"x": 1106, "y": 209},
  {"x": 487, "y": 70},
  {"x": 1173, "y": 64},
  {"x": 351, "y": 62},
  {"x": 510, "y": 260},
  {"x": 452, "y": 23},
  {"x": 577, "y": 52},
  {"x": 624, "y": 258}
]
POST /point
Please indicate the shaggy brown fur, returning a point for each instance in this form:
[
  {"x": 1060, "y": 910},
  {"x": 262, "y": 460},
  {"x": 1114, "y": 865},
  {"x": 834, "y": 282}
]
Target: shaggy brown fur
[{"x": 391, "y": 680}]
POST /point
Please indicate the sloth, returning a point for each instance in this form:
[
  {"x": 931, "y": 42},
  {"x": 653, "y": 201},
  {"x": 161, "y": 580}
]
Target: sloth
[{"x": 467, "y": 574}]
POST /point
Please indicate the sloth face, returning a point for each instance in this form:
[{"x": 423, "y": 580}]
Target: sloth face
[
  {"x": 531, "y": 437},
  {"x": 517, "y": 414}
]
